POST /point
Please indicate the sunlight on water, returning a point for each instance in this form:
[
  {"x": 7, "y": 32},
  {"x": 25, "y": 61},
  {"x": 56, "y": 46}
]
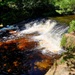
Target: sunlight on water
[{"x": 49, "y": 37}]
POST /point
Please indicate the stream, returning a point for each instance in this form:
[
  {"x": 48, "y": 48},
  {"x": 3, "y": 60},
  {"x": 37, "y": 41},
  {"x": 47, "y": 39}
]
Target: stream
[{"x": 30, "y": 47}]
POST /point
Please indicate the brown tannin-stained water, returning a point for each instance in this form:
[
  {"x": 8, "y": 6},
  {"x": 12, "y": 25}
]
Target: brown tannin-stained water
[{"x": 33, "y": 49}]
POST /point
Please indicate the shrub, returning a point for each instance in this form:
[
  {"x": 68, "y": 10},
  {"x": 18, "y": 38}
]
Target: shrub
[
  {"x": 72, "y": 26},
  {"x": 64, "y": 6},
  {"x": 63, "y": 41}
]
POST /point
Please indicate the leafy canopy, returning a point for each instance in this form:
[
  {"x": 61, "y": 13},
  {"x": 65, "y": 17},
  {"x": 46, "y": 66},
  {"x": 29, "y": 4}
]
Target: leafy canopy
[{"x": 64, "y": 6}]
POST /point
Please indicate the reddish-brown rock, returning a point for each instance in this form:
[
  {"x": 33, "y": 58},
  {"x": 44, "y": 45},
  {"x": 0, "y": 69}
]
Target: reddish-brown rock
[{"x": 19, "y": 44}]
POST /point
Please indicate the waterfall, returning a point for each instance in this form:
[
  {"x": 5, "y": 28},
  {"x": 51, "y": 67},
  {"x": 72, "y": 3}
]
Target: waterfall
[{"x": 49, "y": 35}]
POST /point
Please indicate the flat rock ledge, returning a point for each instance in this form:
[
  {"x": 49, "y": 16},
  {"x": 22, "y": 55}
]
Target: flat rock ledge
[{"x": 58, "y": 70}]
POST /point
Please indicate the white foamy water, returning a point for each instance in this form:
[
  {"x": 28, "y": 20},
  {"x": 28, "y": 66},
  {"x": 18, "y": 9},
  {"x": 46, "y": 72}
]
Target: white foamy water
[{"x": 49, "y": 37}]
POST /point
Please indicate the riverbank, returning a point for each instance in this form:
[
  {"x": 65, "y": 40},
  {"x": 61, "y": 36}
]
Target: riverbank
[{"x": 58, "y": 69}]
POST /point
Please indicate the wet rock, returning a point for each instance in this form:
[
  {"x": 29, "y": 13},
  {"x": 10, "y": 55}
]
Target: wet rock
[{"x": 20, "y": 44}]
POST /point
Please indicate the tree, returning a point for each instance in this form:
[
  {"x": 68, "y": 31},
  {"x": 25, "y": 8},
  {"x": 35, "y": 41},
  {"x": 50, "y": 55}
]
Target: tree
[
  {"x": 64, "y": 6},
  {"x": 13, "y": 11},
  {"x": 6, "y": 2}
]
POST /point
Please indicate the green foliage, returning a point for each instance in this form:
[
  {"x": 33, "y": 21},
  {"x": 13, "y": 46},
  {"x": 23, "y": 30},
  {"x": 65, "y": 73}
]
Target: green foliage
[
  {"x": 67, "y": 43},
  {"x": 6, "y": 2},
  {"x": 12, "y": 11},
  {"x": 64, "y": 6},
  {"x": 72, "y": 26},
  {"x": 63, "y": 41}
]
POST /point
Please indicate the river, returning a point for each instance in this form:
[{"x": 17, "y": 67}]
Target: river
[{"x": 33, "y": 48}]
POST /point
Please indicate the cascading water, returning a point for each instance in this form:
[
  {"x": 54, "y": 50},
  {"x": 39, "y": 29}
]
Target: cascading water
[
  {"x": 41, "y": 38},
  {"x": 49, "y": 35}
]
